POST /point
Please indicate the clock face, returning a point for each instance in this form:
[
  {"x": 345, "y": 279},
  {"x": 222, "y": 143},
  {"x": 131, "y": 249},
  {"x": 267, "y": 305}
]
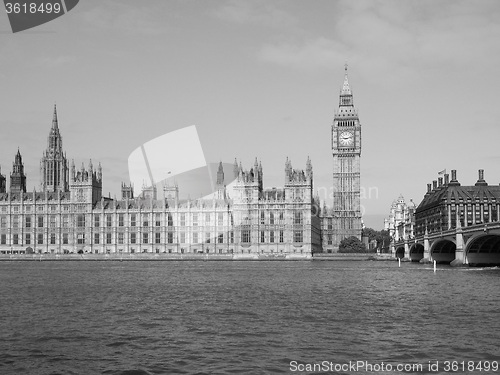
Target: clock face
[{"x": 346, "y": 139}]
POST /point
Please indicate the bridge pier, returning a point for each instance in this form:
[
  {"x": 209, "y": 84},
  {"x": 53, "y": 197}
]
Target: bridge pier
[
  {"x": 460, "y": 248},
  {"x": 427, "y": 248}
]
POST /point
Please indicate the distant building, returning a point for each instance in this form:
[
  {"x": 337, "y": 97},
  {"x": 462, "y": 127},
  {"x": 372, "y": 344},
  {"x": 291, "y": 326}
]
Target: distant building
[
  {"x": 447, "y": 205},
  {"x": 452, "y": 223},
  {"x": 401, "y": 221}
]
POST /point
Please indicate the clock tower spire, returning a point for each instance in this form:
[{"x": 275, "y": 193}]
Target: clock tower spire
[
  {"x": 346, "y": 150},
  {"x": 345, "y": 93}
]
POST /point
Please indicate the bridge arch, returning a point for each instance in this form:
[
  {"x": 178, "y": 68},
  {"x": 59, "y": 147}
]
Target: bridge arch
[
  {"x": 443, "y": 251},
  {"x": 400, "y": 252},
  {"x": 416, "y": 252},
  {"x": 483, "y": 250}
]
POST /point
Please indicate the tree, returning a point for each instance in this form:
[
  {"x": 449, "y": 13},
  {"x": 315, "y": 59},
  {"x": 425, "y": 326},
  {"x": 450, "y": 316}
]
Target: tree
[
  {"x": 352, "y": 245},
  {"x": 381, "y": 236},
  {"x": 383, "y": 240},
  {"x": 370, "y": 233}
]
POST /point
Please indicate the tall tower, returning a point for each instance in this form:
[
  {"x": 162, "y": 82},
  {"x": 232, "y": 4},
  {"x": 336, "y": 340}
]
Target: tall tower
[
  {"x": 86, "y": 184},
  {"x": 2, "y": 183},
  {"x": 220, "y": 187},
  {"x": 127, "y": 191},
  {"x": 54, "y": 166},
  {"x": 17, "y": 177},
  {"x": 346, "y": 149}
]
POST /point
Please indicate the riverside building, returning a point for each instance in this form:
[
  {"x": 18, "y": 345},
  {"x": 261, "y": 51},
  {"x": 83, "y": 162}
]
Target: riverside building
[{"x": 69, "y": 214}]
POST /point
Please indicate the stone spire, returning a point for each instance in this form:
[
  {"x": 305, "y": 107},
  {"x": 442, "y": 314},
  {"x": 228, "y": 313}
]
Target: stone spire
[
  {"x": 309, "y": 168},
  {"x": 54, "y": 144},
  {"x": 220, "y": 175},
  {"x": 17, "y": 177},
  {"x": 18, "y": 160},
  {"x": 221, "y": 188},
  {"x": 236, "y": 169},
  {"x": 53, "y": 165},
  {"x": 3, "y": 183},
  {"x": 346, "y": 89},
  {"x": 99, "y": 172},
  {"x": 346, "y": 93},
  {"x": 288, "y": 169},
  {"x": 54, "y": 118}
]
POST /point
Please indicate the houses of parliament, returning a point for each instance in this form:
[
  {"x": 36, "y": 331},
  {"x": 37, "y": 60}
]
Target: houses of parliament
[{"x": 69, "y": 214}]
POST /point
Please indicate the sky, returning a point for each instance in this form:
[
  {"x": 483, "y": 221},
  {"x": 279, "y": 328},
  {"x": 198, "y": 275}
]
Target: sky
[{"x": 262, "y": 79}]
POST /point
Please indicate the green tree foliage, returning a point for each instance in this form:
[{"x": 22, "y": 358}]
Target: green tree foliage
[{"x": 352, "y": 245}]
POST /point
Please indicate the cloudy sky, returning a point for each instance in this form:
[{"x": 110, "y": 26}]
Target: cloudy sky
[{"x": 262, "y": 79}]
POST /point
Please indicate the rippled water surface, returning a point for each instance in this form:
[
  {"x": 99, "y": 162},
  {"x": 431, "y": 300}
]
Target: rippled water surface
[{"x": 241, "y": 317}]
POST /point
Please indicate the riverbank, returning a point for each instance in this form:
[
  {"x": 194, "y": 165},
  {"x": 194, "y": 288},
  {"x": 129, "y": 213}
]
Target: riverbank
[
  {"x": 352, "y": 256},
  {"x": 199, "y": 257}
]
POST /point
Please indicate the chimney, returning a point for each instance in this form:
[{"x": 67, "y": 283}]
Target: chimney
[
  {"x": 429, "y": 188},
  {"x": 454, "y": 181},
  {"x": 481, "y": 181},
  {"x": 446, "y": 179},
  {"x": 434, "y": 185},
  {"x": 440, "y": 181}
]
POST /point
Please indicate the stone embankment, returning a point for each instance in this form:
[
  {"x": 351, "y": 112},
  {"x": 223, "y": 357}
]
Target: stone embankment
[{"x": 200, "y": 257}]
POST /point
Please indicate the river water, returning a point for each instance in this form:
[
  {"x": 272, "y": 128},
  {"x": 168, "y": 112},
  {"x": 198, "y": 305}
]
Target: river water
[{"x": 247, "y": 317}]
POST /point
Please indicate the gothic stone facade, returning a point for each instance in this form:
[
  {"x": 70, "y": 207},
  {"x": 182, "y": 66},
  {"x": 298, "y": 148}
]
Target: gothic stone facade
[
  {"x": 254, "y": 221},
  {"x": 69, "y": 214}
]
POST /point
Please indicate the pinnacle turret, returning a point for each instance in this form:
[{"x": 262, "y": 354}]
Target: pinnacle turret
[
  {"x": 346, "y": 93},
  {"x": 54, "y": 118},
  {"x": 236, "y": 169},
  {"x": 99, "y": 172},
  {"x": 309, "y": 169},
  {"x": 17, "y": 177},
  {"x": 18, "y": 158},
  {"x": 220, "y": 175},
  {"x": 346, "y": 90}
]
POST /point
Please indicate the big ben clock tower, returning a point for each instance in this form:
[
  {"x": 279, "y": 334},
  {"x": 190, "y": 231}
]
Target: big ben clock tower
[{"x": 346, "y": 150}]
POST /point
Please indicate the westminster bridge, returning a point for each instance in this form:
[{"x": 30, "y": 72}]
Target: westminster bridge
[
  {"x": 477, "y": 244},
  {"x": 454, "y": 223}
]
